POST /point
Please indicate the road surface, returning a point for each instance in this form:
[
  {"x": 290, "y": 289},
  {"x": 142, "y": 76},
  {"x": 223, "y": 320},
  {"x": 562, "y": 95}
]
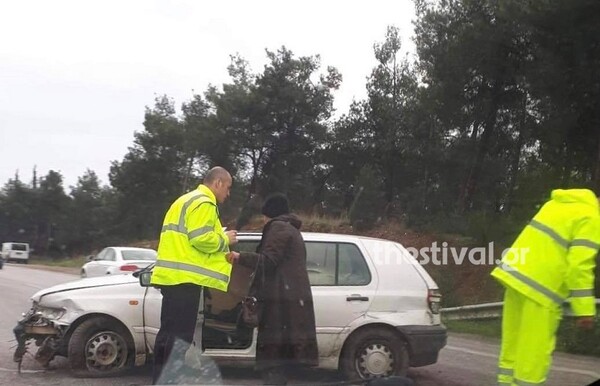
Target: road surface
[{"x": 467, "y": 360}]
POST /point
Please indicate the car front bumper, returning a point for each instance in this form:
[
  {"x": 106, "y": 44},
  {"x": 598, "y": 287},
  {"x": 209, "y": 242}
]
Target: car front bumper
[{"x": 47, "y": 335}]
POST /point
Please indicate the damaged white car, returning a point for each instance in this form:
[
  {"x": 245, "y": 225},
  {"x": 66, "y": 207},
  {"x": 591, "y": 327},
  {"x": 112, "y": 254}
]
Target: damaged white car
[{"x": 377, "y": 313}]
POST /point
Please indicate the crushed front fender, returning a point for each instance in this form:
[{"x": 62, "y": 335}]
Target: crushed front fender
[{"x": 46, "y": 335}]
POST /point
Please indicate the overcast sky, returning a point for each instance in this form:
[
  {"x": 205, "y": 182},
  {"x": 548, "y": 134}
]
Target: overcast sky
[{"x": 75, "y": 76}]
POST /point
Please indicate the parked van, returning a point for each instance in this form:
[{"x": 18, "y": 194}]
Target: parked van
[{"x": 16, "y": 252}]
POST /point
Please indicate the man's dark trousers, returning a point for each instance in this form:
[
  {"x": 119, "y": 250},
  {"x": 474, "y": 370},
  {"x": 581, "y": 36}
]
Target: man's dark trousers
[{"x": 177, "y": 324}]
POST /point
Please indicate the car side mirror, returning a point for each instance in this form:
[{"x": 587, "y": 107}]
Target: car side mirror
[
  {"x": 145, "y": 278},
  {"x": 90, "y": 257}
]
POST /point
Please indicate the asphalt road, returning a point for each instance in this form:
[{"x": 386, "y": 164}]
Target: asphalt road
[{"x": 467, "y": 360}]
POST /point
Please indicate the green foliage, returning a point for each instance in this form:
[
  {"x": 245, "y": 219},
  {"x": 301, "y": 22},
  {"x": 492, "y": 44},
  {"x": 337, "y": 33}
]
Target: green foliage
[
  {"x": 486, "y": 227},
  {"x": 500, "y": 106},
  {"x": 490, "y": 328}
]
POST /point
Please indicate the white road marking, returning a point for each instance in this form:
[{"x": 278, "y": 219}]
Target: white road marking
[{"x": 22, "y": 371}]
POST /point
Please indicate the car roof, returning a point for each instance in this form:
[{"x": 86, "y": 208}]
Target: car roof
[
  {"x": 316, "y": 236},
  {"x": 132, "y": 249}
]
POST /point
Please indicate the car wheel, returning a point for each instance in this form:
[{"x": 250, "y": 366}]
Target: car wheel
[
  {"x": 83, "y": 273},
  {"x": 100, "y": 347},
  {"x": 374, "y": 353}
]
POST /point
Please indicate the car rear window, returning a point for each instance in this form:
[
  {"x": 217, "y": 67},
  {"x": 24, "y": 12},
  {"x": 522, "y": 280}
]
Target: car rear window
[
  {"x": 352, "y": 268},
  {"x": 138, "y": 254},
  {"x": 331, "y": 264},
  {"x": 19, "y": 247}
]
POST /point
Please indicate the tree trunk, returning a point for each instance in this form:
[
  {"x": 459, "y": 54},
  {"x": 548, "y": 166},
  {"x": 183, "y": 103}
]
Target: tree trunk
[
  {"x": 514, "y": 168},
  {"x": 465, "y": 187},
  {"x": 188, "y": 171},
  {"x": 470, "y": 185},
  {"x": 567, "y": 166},
  {"x": 514, "y": 171}
]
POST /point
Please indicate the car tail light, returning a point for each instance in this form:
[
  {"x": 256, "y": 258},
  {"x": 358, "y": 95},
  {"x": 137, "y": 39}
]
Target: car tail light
[
  {"x": 434, "y": 298},
  {"x": 129, "y": 268}
]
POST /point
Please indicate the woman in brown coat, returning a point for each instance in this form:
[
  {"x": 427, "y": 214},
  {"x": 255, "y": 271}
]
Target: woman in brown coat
[{"x": 286, "y": 328}]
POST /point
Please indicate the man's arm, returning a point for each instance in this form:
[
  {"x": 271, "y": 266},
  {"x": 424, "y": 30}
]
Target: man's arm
[
  {"x": 200, "y": 224},
  {"x": 582, "y": 261}
]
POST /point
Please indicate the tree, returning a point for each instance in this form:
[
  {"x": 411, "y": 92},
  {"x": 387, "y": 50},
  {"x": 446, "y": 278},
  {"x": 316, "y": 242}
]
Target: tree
[
  {"x": 152, "y": 173},
  {"x": 294, "y": 108},
  {"x": 274, "y": 122},
  {"x": 565, "y": 81},
  {"x": 52, "y": 209},
  {"x": 16, "y": 203},
  {"x": 86, "y": 226},
  {"x": 384, "y": 131},
  {"x": 471, "y": 57}
]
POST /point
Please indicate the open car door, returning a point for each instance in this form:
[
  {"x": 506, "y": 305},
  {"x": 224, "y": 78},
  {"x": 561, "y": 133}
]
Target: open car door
[{"x": 223, "y": 327}]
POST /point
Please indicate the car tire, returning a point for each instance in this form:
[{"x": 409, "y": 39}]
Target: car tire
[
  {"x": 374, "y": 353},
  {"x": 100, "y": 347},
  {"x": 83, "y": 273}
]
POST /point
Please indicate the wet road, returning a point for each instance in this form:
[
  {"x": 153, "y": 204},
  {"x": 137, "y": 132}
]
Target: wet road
[{"x": 467, "y": 360}]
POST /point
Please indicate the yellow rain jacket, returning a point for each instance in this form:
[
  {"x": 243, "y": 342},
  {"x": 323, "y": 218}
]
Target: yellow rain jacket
[
  {"x": 553, "y": 258},
  {"x": 193, "y": 244}
]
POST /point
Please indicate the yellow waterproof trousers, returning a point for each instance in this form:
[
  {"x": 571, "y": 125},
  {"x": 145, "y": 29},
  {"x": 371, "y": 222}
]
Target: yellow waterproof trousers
[{"x": 528, "y": 340}]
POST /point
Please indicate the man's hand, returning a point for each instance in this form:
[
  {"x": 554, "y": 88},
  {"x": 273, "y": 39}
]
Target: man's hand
[
  {"x": 585, "y": 322},
  {"x": 232, "y": 257},
  {"x": 232, "y": 236}
]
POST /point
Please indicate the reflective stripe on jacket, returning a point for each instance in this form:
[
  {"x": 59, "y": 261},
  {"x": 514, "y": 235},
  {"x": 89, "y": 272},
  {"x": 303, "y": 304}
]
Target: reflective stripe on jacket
[
  {"x": 193, "y": 244},
  {"x": 553, "y": 259}
]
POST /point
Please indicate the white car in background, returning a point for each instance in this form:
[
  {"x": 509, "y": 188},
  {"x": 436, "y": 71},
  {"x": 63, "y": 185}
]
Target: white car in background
[
  {"x": 376, "y": 310},
  {"x": 118, "y": 260}
]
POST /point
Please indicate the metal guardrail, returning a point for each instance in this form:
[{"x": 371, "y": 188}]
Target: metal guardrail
[{"x": 484, "y": 311}]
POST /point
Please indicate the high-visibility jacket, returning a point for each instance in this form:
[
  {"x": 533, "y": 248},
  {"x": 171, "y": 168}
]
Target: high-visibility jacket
[
  {"x": 553, "y": 258},
  {"x": 193, "y": 244}
]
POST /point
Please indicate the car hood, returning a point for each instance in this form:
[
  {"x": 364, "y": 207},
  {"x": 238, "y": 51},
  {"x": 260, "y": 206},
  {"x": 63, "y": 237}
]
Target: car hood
[{"x": 102, "y": 281}]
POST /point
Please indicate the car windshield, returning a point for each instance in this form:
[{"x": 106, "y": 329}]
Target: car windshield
[{"x": 139, "y": 254}]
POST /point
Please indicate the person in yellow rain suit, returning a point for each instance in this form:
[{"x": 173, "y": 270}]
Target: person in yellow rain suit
[{"x": 552, "y": 260}]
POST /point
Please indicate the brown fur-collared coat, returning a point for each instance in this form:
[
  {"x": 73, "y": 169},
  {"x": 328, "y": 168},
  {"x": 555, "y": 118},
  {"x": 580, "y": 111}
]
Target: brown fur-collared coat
[{"x": 286, "y": 329}]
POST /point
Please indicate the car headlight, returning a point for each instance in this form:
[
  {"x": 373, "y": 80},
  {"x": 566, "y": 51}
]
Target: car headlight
[{"x": 50, "y": 313}]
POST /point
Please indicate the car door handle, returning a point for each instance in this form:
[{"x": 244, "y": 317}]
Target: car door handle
[{"x": 359, "y": 298}]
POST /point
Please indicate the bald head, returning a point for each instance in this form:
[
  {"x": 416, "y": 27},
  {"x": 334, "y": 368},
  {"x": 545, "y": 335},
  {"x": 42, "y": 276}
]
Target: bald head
[
  {"x": 216, "y": 173},
  {"x": 218, "y": 180}
]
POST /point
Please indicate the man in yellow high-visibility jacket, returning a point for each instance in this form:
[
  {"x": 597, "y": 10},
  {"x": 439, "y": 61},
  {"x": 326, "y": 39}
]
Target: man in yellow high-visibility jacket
[
  {"x": 551, "y": 261},
  {"x": 191, "y": 255}
]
